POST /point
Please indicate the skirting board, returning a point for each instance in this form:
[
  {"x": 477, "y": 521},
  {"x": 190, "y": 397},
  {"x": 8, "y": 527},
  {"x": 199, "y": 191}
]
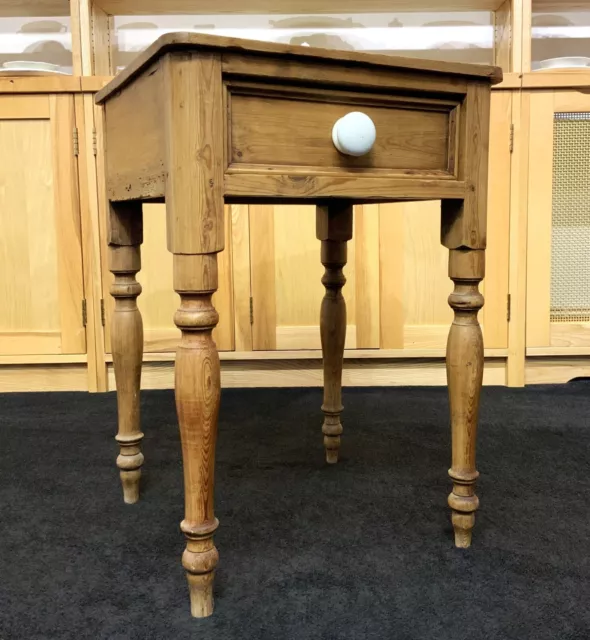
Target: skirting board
[
  {"x": 556, "y": 370},
  {"x": 293, "y": 373},
  {"x": 43, "y": 377},
  {"x": 308, "y": 373}
]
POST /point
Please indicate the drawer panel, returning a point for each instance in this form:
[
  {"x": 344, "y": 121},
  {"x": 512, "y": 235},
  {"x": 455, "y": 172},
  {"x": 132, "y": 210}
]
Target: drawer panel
[{"x": 296, "y": 131}]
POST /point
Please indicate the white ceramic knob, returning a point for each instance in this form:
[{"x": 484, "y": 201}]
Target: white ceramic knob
[{"x": 354, "y": 134}]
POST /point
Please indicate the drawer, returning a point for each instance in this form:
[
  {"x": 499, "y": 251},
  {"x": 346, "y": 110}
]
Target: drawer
[{"x": 279, "y": 128}]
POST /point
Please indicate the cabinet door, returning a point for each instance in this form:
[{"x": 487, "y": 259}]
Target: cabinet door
[
  {"x": 41, "y": 279},
  {"x": 397, "y": 272},
  {"x": 558, "y": 240},
  {"x": 158, "y": 301}
]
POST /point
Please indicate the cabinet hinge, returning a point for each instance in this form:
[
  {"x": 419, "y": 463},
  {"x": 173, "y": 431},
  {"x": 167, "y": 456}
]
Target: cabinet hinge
[
  {"x": 509, "y": 308},
  {"x": 511, "y": 138},
  {"x": 75, "y": 141},
  {"x": 251, "y": 310},
  {"x": 102, "y": 312},
  {"x": 84, "y": 313},
  {"x": 94, "y": 143}
]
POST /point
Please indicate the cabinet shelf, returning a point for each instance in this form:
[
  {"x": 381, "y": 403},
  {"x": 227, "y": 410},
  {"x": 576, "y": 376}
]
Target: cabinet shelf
[
  {"x": 38, "y": 8},
  {"x": 217, "y": 7},
  {"x": 561, "y": 5},
  {"x": 570, "y": 79}
]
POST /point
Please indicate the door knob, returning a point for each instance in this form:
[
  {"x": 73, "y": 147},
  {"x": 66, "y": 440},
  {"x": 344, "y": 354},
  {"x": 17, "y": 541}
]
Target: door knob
[{"x": 354, "y": 134}]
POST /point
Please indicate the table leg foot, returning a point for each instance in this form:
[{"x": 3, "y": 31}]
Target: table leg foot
[
  {"x": 332, "y": 428},
  {"x": 200, "y": 559},
  {"x": 130, "y": 482}
]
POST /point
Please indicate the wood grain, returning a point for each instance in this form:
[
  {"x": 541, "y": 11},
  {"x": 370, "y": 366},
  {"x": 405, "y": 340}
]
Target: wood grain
[
  {"x": 309, "y": 373},
  {"x": 464, "y": 222},
  {"x": 340, "y": 76},
  {"x": 197, "y": 41},
  {"x": 391, "y": 275},
  {"x": 297, "y": 187},
  {"x": 539, "y": 232},
  {"x": 127, "y": 345},
  {"x": 503, "y": 35},
  {"x": 194, "y": 152},
  {"x": 197, "y": 384},
  {"x": 24, "y": 107},
  {"x": 207, "y": 7},
  {"x": 262, "y": 133},
  {"x": 135, "y": 134},
  {"x": 67, "y": 225},
  {"x": 263, "y": 277},
  {"x": 241, "y": 276},
  {"x": 43, "y": 377},
  {"x": 465, "y": 361},
  {"x": 333, "y": 229},
  {"x": 517, "y": 286},
  {"x": 93, "y": 205},
  {"x": 494, "y": 315},
  {"x": 367, "y": 276}
]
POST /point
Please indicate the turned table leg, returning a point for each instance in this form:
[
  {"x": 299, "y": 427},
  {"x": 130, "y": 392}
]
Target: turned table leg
[
  {"x": 198, "y": 390},
  {"x": 127, "y": 339},
  {"x": 465, "y": 360},
  {"x": 195, "y": 234},
  {"x": 334, "y": 229}
]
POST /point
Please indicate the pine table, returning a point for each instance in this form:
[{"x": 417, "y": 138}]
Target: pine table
[{"x": 198, "y": 121}]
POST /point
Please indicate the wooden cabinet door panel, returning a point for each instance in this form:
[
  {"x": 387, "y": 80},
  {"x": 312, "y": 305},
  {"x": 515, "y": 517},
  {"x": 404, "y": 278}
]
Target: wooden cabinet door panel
[
  {"x": 554, "y": 236},
  {"x": 40, "y": 244}
]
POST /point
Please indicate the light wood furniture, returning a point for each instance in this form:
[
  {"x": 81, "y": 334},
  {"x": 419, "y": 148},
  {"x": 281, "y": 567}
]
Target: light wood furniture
[
  {"x": 198, "y": 121},
  {"x": 396, "y": 327}
]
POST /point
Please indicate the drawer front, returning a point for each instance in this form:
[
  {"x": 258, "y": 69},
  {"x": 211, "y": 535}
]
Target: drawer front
[{"x": 293, "y": 128}]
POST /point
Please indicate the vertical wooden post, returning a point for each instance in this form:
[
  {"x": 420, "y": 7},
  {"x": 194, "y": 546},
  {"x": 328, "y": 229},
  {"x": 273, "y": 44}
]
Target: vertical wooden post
[
  {"x": 194, "y": 210},
  {"x": 464, "y": 234},
  {"x": 198, "y": 390},
  {"x": 334, "y": 229},
  {"x": 465, "y": 374},
  {"x": 125, "y": 237}
]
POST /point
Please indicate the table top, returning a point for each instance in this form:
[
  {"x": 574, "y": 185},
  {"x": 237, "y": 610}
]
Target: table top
[{"x": 187, "y": 41}]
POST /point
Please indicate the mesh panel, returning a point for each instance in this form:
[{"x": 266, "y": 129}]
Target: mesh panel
[{"x": 570, "y": 249}]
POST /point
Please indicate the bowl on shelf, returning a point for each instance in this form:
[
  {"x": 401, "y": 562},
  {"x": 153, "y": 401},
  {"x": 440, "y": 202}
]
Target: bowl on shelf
[{"x": 572, "y": 62}]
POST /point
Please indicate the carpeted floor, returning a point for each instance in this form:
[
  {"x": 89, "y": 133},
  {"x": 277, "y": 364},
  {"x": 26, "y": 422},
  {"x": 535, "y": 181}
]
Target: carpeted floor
[{"x": 362, "y": 550}]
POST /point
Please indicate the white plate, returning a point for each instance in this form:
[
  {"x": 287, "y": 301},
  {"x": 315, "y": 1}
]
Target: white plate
[
  {"x": 574, "y": 62},
  {"x": 30, "y": 67}
]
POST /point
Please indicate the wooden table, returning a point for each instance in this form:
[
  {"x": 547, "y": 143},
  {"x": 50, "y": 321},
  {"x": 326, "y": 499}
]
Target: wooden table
[{"x": 198, "y": 121}]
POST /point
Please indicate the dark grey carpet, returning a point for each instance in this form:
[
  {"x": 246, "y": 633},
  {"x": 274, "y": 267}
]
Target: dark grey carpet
[{"x": 362, "y": 550}]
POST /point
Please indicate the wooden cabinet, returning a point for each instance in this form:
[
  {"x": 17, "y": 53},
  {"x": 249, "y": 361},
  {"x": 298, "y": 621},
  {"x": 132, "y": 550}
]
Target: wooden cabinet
[
  {"x": 52, "y": 214},
  {"x": 558, "y": 268},
  {"x": 40, "y": 245}
]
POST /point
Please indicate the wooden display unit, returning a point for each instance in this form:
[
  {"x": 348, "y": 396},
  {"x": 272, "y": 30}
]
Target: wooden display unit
[{"x": 396, "y": 329}]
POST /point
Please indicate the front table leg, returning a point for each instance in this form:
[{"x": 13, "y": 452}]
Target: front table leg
[
  {"x": 125, "y": 237},
  {"x": 334, "y": 229},
  {"x": 198, "y": 390},
  {"x": 465, "y": 373}
]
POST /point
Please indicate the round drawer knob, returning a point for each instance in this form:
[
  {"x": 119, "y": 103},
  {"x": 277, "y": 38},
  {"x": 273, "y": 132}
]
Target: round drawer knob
[{"x": 354, "y": 134}]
